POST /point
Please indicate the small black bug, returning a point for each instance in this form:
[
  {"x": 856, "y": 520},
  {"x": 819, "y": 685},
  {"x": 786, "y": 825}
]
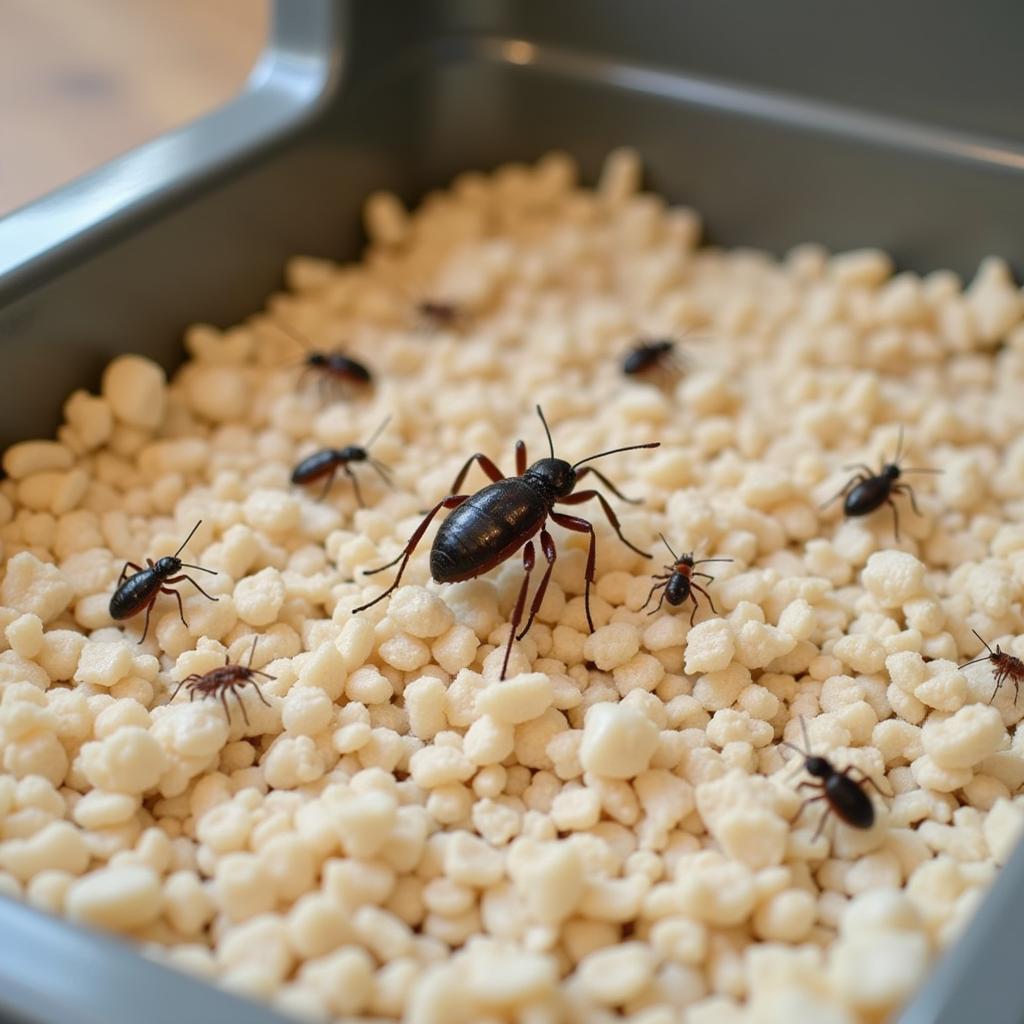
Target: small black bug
[
  {"x": 648, "y": 356},
  {"x": 867, "y": 490},
  {"x": 678, "y": 584},
  {"x": 327, "y": 462},
  {"x": 844, "y": 794},
  {"x": 226, "y": 679},
  {"x": 440, "y": 315},
  {"x": 1005, "y": 666},
  {"x": 140, "y": 590},
  {"x": 331, "y": 367},
  {"x": 485, "y": 528}
]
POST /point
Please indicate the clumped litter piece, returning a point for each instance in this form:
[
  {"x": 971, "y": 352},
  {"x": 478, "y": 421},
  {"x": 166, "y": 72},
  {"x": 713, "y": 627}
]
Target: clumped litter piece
[{"x": 610, "y": 833}]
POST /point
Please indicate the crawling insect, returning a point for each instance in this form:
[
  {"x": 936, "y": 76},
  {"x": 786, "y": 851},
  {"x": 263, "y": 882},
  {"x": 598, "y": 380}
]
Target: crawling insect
[
  {"x": 845, "y": 795},
  {"x": 331, "y": 367},
  {"x": 648, "y": 356},
  {"x": 486, "y": 528},
  {"x": 228, "y": 678},
  {"x": 678, "y": 584},
  {"x": 1005, "y": 666},
  {"x": 327, "y": 462},
  {"x": 867, "y": 490},
  {"x": 440, "y": 315},
  {"x": 140, "y": 590}
]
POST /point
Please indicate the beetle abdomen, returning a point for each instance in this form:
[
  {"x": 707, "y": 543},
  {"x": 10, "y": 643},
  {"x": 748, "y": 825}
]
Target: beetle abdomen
[
  {"x": 133, "y": 594},
  {"x": 485, "y": 530},
  {"x": 849, "y": 801},
  {"x": 314, "y": 466},
  {"x": 867, "y": 496},
  {"x": 678, "y": 589}
]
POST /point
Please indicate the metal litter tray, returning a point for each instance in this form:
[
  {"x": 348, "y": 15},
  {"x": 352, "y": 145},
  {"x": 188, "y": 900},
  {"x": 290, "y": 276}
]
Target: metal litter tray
[{"x": 895, "y": 126}]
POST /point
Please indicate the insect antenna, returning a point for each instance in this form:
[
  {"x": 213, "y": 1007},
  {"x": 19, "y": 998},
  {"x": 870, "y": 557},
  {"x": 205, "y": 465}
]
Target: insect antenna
[
  {"x": 807, "y": 741},
  {"x": 252, "y": 650},
  {"x": 551, "y": 444},
  {"x": 377, "y": 432},
  {"x": 899, "y": 446},
  {"x": 615, "y": 451},
  {"x": 675, "y": 557},
  {"x": 189, "y": 565},
  {"x": 983, "y": 657},
  {"x": 704, "y": 561},
  {"x": 187, "y": 539},
  {"x": 297, "y": 336}
]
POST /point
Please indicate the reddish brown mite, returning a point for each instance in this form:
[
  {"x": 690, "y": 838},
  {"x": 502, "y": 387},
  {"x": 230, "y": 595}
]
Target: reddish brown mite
[
  {"x": 226, "y": 679},
  {"x": 678, "y": 584},
  {"x": 1004, "y": 666}
]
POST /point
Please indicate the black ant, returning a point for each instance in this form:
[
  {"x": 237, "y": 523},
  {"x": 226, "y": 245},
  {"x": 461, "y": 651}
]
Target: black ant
[
  {"x": 333, "y": 367},
  {"x": 648, "y": 356},
  {"x": 678, "y": 584},
  {"x": 844, "y": 795},
  {"x": 140, "y": 589},
  {"x": 227, "y": 678},
  {"x": 868, "y": 490},
  {"x": 489, "y": 526},
  {"x": 1005, "y": 666},
  {"x": 326, "y": 462}
]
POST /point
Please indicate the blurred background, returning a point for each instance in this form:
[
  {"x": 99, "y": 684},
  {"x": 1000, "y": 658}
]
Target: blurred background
[{"x": 81, "y": 82}]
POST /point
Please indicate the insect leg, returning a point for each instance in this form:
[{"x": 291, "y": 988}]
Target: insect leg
[
  {"x": 547, "y": 545},
  {"x": 486, "y": 464},
  {"x": 581, "y": 496},
  {"x": 850, "y": 484},
  {"x": 355, "y": 486},
  {"x": 517, "y": 614},
  {"x": 809, "y": 800},
  {"x": 181, "y": 610},
  {"x": 862, "y": 467},
  {"x": 698, "y": 587},
  {"x": 124, "y": 571},
  {"x": 650, "y": 594},
  {"x": 895, "y": 517},
  {"x": 581, "y": 525},
  {"x": 611, "y": 487},
  {"x": 187, "y": 679},
  {"x": 384, "y": 472},
  {"x": 453, "y": 501},
  {"x": 259, "y": 692},
  {"x": 909, "y": 492},
  {"x": 821, "y": 824},
  {"x": 864, "y": 777},
  {"x": 240, "y": 702},
  {"x": 520, "y": 458},
  {"x": 145, "y": 626},
  {"x": 224, "y": 701},
  {"x": 327, "y": 485},
  {"x": 178, "y": 579}
]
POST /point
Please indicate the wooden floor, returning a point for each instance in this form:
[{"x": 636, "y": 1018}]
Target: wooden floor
[{"x": 84, "y": 80}]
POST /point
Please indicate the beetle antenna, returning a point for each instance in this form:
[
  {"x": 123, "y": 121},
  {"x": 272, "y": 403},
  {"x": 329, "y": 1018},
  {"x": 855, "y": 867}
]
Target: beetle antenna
[
  {"x": 704, "y": 561},
  {"x": 295, "y": 335},
  {"x": 675, "y": 557},
  {"x": 615, "y": 451},
  {"x": 918, "y": 469},
  {"x": 807, "y": 738},
  {"x": 188, "y": 538},
  {"x": 899, "y": 446},
  {"x": 377, "y": 432},
  {"x": 551, "y": 444},
  {"x": 188, "y": 565}
]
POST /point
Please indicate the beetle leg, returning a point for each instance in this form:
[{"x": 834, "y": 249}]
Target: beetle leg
[
  {"x": 909, "y": 492},
  {"x": 517, "y": 614},
  {"x": 486, "y": 464},
  {"x": 145, "y": 626},
  {"x": 847, "y": 487},
  {"x": 581, "y": 525},
  {"x": 581, "y": 496},
  {"x": 327, "y": 485},
  {"x": 611, "y": 487},
  {"x": 224, "y": 701},
  {"x": 698, "y": 587},
  {"x": 520, "y": 458},
  {"x": 867, "y": 470},
  {"x": 821, "y": 823},
  {"x": 178, "y": 579},
  {"x": 259, "y": 692},
  {"x": 355, "y": 486},
  {"x": 124, "y": 571},
  {"x": 384, "y": 472},
  {"x": 547, "y": 545},
  {"x": 895, "y": 517},
  {"x": 650, "y": 594},
  {"x": 181, "y": 610},
  {"x": 864, "y": 777},
  {"x": 453, "y": 501},
  {"x": 707, "y": 576}
]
